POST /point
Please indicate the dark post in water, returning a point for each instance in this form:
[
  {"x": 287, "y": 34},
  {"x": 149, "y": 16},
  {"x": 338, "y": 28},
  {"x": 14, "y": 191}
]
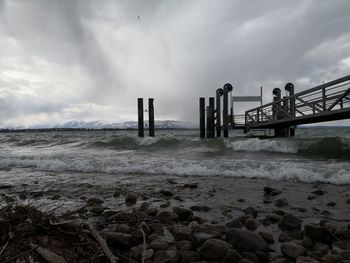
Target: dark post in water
[
  {"x": 227, "y": 89},
  {"x": 290, "y": 88},
  {"x": 140, "y": 116},
  {"x": 212, "y": 120},
  {"x": 151, "y": 117},
  {"x": 202, "y": 117},
  {"x": 219, "y": 92}
]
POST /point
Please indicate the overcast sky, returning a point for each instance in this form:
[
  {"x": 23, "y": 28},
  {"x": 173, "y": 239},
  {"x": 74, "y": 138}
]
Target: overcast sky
[{"x": 89, "y": 60}]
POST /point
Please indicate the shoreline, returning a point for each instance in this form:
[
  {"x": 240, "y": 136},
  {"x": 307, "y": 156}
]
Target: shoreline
[{"x": 224, "y": 203}]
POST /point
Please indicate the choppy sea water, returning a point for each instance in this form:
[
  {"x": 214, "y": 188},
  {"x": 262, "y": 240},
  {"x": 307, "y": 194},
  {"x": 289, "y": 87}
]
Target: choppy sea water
[{"x": 314, "y": 155}]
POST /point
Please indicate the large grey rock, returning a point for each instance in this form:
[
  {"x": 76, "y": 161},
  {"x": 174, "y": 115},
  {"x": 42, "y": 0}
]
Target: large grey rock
[
  {"x": 214, "y": 249},
  {"x": 319, "y": 233},
  {"x": 245, "y": 240},
  {"x": 292, "y": 250}
]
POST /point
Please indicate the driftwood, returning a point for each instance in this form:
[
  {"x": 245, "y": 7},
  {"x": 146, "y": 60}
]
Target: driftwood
[
  {"x": 3, "y": 248},
  {"x": 102, "y": 242},
  {"x": 74, "y": 223},
  {"x": 50, "y": 256}
]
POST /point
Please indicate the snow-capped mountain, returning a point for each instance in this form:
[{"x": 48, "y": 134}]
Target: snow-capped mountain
[{"x": 166, "y": 124}]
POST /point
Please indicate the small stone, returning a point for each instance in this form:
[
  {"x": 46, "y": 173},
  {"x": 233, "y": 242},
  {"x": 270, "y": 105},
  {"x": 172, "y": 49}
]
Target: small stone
[
  {"x": 144, "y": 206},
  {"x": 202, "y": 208},
  {"x": 250, "y": 211},
  {"x": 117, "y": 193},
  {"x": 250, "y": 256},
  {"x": 167, "y": 216},
  {"x": 332, "y": 258},
  {"x": 289, "y": 222},
  {"x": 166, "y": 256},
  {"x": 128, "y": 216},
  {"x": 36, "y": 194},
  {"x": 55, "y": 197},
  {"x": 166, "y": 193},
  {"x": 158, "y": 244},
  {"x": 281, "y": 202},
  {"x": 184, "y": 245},
  {"x": 269, "y": 191},
  {"x": 191, "y": 185},
  {"x": 165, "y": 205},
  {"x": 96, "y": 209},
  {"x": 130, "y": 199},
  {"x": 306, "y": 259},
  {"x": 232, "y": 256},
  {"x": 182, "y": 213},
  {"x": 318, "y": 192},
  {"x": 273, "y": 218},
  {"x": 94, "y": 201},
  {"x": 332, "y": 204},
  {"x": 292, "y": 250},
  {"x": 268, "y": 237},
  {"x": 157, "y": 228},
  {"x": 22, "y": 196},
  {"x": 251, "y": 224},
  {"x": 182, "y": 233},
  {"x": 151, "y": 211},
  {"x": 241, "y": 200},
  {"x": 343, "y": 234},
  {"x": 237, "y": 222},
  {"x": 214, "y": 249},
  {"x": 190, "y": 256},
  {"x": 311, "y": 197}
]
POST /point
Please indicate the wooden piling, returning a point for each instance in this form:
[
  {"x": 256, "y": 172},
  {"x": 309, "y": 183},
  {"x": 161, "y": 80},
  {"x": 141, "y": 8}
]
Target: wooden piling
[
  {"x": 212, "y": 117},
  {"x": 218, "y": 112},
  {"x": 151, "y": 117},
  {"x": 202, "y": 117},
  {"x": 225, "y": 112},
  {"x": 140, "y": 116}
]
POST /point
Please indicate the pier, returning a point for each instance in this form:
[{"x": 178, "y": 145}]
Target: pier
[{"x": 327, "y": 102}]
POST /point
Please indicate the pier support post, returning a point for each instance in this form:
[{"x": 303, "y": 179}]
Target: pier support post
[
  {"x": 140, "y": 116},
  {"x": 277, "y": 114},
  {"x": 290, "y": 88},
  {"x": 212, "y": 117},
  {"x": 202, "y": 117},
  {"x": 151, "y": 117},
  {"x": 227, "y": 89},
  {"x": 219, "y": 92}
]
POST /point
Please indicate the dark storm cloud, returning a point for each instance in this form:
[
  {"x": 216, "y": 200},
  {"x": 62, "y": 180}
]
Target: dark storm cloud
[{"x": 108, "y": 53}]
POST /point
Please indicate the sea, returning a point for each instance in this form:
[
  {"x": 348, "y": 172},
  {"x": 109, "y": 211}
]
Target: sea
[{"x": 315, "y": 154}]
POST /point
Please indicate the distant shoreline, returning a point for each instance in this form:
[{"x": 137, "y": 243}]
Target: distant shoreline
[{"x": 85, "y": 129}]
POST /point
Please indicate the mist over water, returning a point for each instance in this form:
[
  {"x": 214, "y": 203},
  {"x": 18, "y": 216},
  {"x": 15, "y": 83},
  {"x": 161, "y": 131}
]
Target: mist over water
[{"x": 314, "y": 155}]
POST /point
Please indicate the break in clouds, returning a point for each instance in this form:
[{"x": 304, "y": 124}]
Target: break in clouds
[{"x": 90, "y": 60}]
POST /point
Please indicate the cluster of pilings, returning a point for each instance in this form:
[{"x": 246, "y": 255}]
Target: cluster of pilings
[
  {"x": 150, "y": 117},
  {"x": 287, "y": 106},
  {"x": 213, "y": 116}
]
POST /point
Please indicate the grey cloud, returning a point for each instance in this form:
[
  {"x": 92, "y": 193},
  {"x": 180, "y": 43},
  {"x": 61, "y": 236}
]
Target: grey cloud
[{"x": 180, "y": 50}]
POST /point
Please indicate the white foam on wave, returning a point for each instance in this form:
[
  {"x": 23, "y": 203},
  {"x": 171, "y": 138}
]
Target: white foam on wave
[
  {"x": 266, "y": 145},
  {"x": 321, "y": 171},
  {"x": 146, "y": 141}
]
